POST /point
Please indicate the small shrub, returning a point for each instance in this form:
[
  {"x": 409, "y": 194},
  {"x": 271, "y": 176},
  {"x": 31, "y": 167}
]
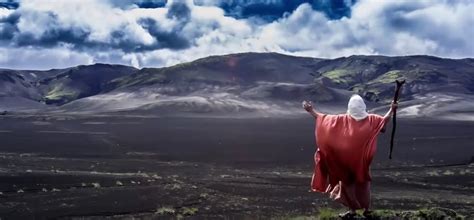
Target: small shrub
[{"x": 165, "y": 211}]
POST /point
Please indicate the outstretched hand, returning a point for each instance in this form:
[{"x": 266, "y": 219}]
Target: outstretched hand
[
  {"x": 308, "y": 106},
  {"x": 391, "y": 111},
  {"x": 394, "y": 106}
]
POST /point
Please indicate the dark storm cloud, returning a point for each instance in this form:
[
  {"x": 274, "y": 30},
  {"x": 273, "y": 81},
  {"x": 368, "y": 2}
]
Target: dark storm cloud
[
  {"x": 53, "y": 35},
  {"x": 7, "y": 31},
  {"x": 271, "y": 10},
  {"x": 334, "y": 9},
  {"x": 11, "y": 19},
  {"x": 10, "y": 4},
  {"x": 179, "y": 10},
  {"x": 8, "y": 26},
  {"x": 162, "y": 33},
  {"x": 396, "y": 18},
  {"x": 172, "y": 39},
  {"x": 138, "y": 3},
  {"x": 151, "y": 3},
  {"x": 165, "y": 39},
  {"x": 268, "y": 10},
  {"x": 77, "y": 37}
]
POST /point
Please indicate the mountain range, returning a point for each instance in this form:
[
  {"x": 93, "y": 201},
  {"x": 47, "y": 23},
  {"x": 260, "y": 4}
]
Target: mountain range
[{"x": 246, "y": 84}]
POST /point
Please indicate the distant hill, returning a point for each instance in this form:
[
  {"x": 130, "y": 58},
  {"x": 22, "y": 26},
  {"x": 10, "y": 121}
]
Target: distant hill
[
  {"x": 267, "y": 83},
  {"x": 59, "y": 86},
  {"x": 373, "y": 76},
  {"x": 79, "y": 82}
]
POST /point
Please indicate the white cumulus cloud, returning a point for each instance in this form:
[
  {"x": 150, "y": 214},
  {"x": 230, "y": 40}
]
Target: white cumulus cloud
[{"x": 46, "y": 34}]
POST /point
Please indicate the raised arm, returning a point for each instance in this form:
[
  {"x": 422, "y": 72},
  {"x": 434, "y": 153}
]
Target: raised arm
[
  {"x": 308, "y": 106},
  {"x": 389, "y": 114}
]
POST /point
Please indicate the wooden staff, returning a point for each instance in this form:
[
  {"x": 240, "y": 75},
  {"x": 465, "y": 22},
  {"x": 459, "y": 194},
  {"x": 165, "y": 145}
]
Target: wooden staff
[{"x": 395, "y": 100}]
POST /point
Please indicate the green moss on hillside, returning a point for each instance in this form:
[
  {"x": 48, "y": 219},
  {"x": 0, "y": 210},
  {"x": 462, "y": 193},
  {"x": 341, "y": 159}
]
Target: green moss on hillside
[
  {"x": 389, "y": 77},
  {"x": 338, "y": 75},
  {"x": 59, "y": 92}
]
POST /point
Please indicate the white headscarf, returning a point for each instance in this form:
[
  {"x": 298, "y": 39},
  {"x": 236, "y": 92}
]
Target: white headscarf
[{"x": 356, "y": 108}]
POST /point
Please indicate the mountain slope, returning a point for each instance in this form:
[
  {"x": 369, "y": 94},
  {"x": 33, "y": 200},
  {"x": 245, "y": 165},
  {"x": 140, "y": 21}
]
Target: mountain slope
[
  {"x": 373, "y": 76},
  {"x": 267, "y": 83},
  {"x": 56, "y": 86},
  {"x": 14, "y": 84},
  {"x": 244, "y": 69},
  {"x": 78, "y": 82},
  {"x": 249, "y": 82}
]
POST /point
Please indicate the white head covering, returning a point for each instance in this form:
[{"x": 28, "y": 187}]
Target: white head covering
[{"x": 356, "y": 108}]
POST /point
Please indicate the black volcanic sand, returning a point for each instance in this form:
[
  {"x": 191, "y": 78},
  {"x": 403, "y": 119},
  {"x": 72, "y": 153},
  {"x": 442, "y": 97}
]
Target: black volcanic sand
[{"x": 70, "y": 166}]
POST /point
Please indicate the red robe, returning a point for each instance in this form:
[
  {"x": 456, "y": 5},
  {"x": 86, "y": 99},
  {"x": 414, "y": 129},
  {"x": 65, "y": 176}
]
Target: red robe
[{"x": 342, "y": 161}]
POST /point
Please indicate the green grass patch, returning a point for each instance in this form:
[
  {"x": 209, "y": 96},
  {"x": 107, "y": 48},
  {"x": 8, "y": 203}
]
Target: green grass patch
[
  {"x": 177, "y": 212},
  {"x": 165, "y": 211},
  {"x": 327, "y": 213},
  {"x": 388, "y": 77},
  {"x": 60, "y": 93},
  {"x": 337, "y": 75},
  {"x": 342, "y": 76},
  {"x": 189, "y": 210}
]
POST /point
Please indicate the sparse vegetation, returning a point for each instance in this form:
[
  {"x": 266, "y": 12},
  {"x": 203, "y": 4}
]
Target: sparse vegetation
[
  {"x": 211, "y": 179},
  {"x": 165, "y": 211},
  {"x": 178, "y": 212},
  {"x": 387, "y": 214},
  {"x": 189, "y": 210},
  {"x": 327, "y": 213},
  {"x": 339, "y": 76},
  {"x": 60, "y": 94},
  {"x": 388, "y": 77}
]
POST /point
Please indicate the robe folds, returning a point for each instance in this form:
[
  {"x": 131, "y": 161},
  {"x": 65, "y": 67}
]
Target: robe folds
[{"x": 342, "y": 161}]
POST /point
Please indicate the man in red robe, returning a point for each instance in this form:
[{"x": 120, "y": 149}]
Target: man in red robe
[{"x": 346, "y": 145}]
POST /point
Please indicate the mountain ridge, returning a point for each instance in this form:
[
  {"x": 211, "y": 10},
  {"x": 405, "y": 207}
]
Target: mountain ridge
[{"x": 242, "y": 82}]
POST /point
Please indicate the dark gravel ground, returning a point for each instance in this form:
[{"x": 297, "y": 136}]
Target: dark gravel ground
[{"x": 144, "y": 167}]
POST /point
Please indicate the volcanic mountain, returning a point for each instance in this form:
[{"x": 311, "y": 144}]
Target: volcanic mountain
[{"x": 259, "y": 84}]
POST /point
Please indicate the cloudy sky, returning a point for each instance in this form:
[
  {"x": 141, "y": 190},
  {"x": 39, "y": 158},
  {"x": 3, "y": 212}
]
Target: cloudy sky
[{"x": 44, "y": 34}]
